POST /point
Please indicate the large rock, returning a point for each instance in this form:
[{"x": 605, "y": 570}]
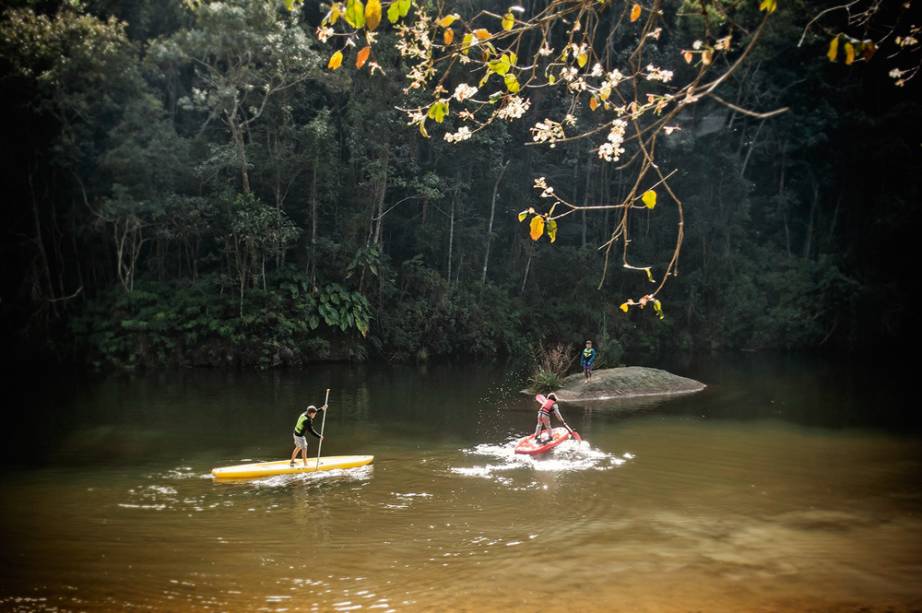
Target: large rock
[{"x": 631, "y": 382}]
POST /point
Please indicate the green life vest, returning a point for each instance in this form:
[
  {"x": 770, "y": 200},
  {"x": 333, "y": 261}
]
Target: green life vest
[{"x": 303, "y": 420}]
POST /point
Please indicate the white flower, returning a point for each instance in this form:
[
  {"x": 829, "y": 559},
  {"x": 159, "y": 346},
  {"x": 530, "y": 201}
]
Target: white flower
[
  {"x": 545, "y": 50},
  {"x": 612, "y": 150},
  {"x": 464, "y": 91},
  {"x": 463, "y": 133},
  {"x": 697, "y": 44},
  {"x": 658, "y": 74},
  {"x": 615, "y": 77},
  {"x": 514, "y": 108},
  {"x": 547, "y": 131},
  {"x": 324, "y": 33},
  {"x": 596, "y": 70}
]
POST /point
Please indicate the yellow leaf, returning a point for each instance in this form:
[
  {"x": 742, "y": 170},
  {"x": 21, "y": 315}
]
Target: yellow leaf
[
  {"x": 649, "y": 274},
  {"x": 362, "y": 57},
  {"x": 512, "y": 84},
  {"x": 466, "y": 43},
  {"x": 536, "y": 227},
  {"x": 447, "y": 20},
  {"x": 849, "y": 54},
  {"x": 658, "y": 307},
  {"x": 635, "y": 13},
  {"x": 833, "y": 52},
  {"x": 552, "y": 230},
  {"x": 688, "y": 56},
  {"x": 336, "y": 60},
  {"x": 768, "y": 5},
  {"x": 448, "y": 36},
  {"x": 624, "y": 307},
  {"x": 582, "y": 59},
  {"x": 649, "y": 198},
  {"x": 481, "y": 33},
  {"x": 593, "y": 103},
  {"x": 372, "y": 14},
  {"x": 335, "y": 12},
  {"x": 551, "y": 79},
  {"x": 523, "y": 215},
  {"x": 422, "y": 129},
  {"x": 706, "y": 56},
  {"x": 508, "y": 21}
]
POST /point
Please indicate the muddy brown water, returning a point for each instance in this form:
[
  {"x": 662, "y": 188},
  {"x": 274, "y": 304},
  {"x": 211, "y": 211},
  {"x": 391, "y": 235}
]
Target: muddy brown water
[{"x": 789, "y": 484}]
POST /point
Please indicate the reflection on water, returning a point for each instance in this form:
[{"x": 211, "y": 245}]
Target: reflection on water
[{"x": 773, "y": 490}]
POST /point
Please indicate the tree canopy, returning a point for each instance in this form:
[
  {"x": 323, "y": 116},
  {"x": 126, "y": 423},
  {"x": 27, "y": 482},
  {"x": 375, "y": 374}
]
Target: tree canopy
[{"x": 261, "y": 183}]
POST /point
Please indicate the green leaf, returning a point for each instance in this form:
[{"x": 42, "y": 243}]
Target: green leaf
[
  {"x": 466, "y": 43},
  {"x": 552, "y": 230},
  {"x": 437, "y": 111},
  {"x": 355, "y": 13},
  {"x": 523, "y": 215},
  {"x": 393, "y": 12},
  {"x": 512, "y": 84},
  {"x": 649, "y": 272},
  {"x": 500, "y": 66},
  {"x": 404, "y": 6}
]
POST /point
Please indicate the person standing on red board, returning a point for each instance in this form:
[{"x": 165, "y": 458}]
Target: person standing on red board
[{"x": 548, "y": 406}]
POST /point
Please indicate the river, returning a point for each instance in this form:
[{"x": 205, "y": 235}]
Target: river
[{"x": 789, "y": 484}]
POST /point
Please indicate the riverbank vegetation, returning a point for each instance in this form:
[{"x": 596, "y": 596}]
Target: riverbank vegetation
[{"x": 192, "y": 183}]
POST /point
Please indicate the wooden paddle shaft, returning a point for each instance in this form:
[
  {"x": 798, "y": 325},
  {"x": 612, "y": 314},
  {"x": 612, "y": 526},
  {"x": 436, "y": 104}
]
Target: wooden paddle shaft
[{"x": 323, "y": 422}]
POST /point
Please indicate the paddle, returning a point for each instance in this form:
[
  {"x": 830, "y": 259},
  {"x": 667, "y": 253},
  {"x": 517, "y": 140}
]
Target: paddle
[{"x": 323, "y": 422}]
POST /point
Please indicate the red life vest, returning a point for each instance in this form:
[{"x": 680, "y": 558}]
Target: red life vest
[{"x": 547, "y": 406}]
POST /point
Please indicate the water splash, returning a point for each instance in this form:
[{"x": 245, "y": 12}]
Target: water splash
[
  {"x": 347, "y": 474},
  {"x": 569, "y": 456}
]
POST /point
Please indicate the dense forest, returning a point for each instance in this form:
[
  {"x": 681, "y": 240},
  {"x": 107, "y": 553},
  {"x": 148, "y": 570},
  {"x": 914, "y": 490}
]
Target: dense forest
[{"x": 189, "y": 183}]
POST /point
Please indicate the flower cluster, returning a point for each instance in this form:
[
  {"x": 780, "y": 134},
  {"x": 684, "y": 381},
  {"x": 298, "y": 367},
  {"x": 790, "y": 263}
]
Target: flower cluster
[
  {"x": 464, "y": 91},
  {"x": 547, "y": 131},
  {"x": 658, "y": 74},
  {"x": 463, "y": 133},
  {"x": 546, "y": 190},
  {"x": 514, "y": 108},
  {"x": 612, "y": 150}
]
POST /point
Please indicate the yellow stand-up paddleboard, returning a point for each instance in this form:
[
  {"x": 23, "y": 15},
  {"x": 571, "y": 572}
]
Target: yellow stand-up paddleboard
[{"x": 282, "y": 467}]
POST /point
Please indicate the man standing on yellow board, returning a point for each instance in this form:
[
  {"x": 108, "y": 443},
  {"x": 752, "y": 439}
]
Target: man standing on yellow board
[{"x": 305, "y": 424}]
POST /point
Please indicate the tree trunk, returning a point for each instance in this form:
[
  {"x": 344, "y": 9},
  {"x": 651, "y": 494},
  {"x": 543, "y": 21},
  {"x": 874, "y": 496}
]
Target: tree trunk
[
  {"x": 486, "y": 255},
  {"x": 40, "y": 244},
  {"x": 586, "y": 195},
  {"x": 451, "y": 234},
  {"x": 312, "y": 265},
  {"x": 531, "y": 252}
]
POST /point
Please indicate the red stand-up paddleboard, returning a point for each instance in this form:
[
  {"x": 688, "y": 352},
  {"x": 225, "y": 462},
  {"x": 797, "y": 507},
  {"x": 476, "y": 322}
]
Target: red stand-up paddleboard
[{"x": 530, "y": 446}]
